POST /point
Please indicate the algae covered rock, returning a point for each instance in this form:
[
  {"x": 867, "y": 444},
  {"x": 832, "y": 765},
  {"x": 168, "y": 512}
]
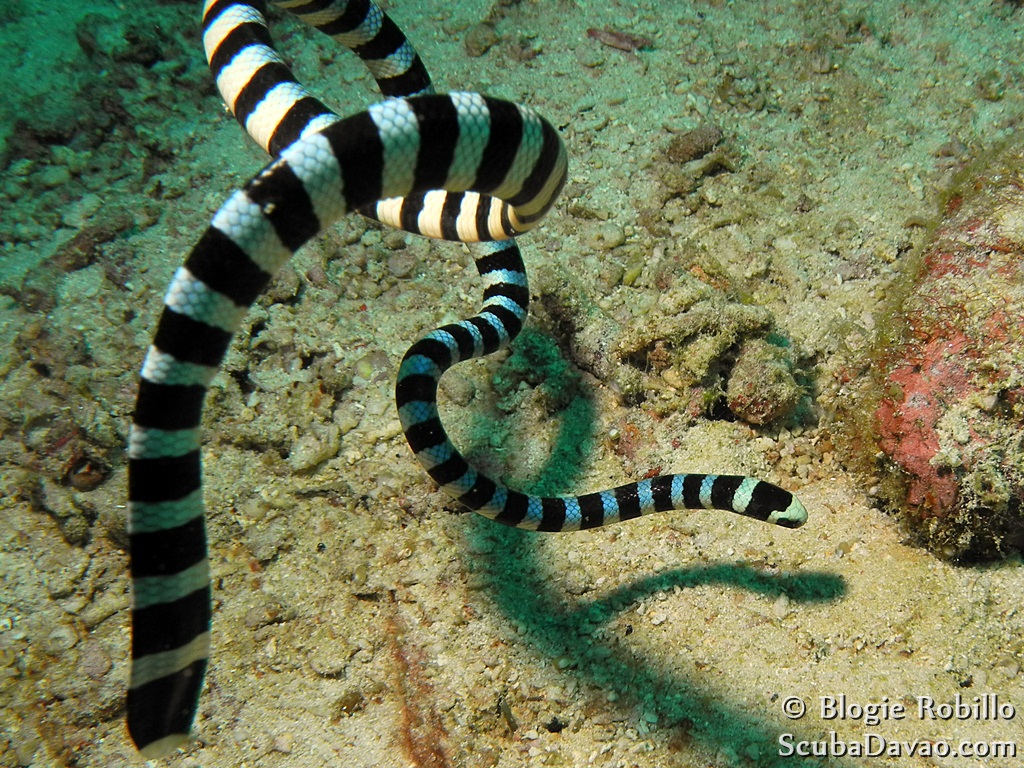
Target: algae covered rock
[
  {"x": 762, "y": 388},
  {"x": 947, "y": 410}
]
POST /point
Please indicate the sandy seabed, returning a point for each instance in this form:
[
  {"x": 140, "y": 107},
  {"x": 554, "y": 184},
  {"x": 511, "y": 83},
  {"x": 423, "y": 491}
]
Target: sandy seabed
[{"x": 359, "y": 620}]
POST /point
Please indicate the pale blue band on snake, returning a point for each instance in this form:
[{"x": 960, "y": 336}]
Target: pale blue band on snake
[{"x": 461, "y": 167}]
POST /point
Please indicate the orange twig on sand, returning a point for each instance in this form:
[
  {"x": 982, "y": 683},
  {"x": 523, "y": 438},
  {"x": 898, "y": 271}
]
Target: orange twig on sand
[{"x": 422, "y": 733}]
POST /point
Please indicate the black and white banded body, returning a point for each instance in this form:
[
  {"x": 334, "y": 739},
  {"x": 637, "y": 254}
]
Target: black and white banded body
[{"x": 459, "y": 167}]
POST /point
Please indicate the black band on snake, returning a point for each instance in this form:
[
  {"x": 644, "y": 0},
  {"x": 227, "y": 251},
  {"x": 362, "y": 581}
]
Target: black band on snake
[{"x": 459, "y": 167}]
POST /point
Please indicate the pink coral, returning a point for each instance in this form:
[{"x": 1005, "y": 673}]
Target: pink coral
[
  {"x": 923, "y": 389},
  {"x": 949, "y": 415}
]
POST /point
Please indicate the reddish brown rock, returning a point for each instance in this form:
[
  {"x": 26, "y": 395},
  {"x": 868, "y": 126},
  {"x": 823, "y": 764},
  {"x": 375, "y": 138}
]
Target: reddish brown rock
[{"x": 948, "y": 399}]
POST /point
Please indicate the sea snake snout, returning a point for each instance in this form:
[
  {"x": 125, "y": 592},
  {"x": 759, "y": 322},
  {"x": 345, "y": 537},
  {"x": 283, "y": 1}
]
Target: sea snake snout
[{"x": 793, "y": 516}]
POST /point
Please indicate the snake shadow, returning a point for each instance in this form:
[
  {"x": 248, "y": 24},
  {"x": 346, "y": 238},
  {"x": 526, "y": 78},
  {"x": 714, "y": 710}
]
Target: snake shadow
[{"x": 558, "y": 625}]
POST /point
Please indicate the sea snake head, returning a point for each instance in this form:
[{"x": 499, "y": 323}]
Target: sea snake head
[{"x": 792, "y": 516}]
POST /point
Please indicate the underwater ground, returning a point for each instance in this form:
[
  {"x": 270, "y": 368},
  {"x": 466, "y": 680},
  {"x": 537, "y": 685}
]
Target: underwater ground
[{"x": 360, "y": 619}]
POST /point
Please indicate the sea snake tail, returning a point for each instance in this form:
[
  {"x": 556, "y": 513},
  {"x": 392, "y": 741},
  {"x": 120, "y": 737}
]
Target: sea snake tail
[{"x": 460, "y": 167}]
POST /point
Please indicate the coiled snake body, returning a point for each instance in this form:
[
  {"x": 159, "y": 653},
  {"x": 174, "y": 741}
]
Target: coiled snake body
[{"x": 459, "y": 167}]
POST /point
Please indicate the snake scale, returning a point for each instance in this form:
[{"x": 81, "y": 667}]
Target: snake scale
[{"x": 459, "y": 167}]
